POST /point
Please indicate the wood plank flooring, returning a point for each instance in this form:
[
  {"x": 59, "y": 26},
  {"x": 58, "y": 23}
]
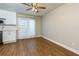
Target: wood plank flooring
[{"x": 34, "y": 47}]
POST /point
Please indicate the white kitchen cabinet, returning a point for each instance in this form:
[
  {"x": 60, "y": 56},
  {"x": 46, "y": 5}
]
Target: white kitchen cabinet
[
  {"x": 9, "y": 16},
  {"x": 1, "y": 28},
  {"x": 9, "y": 36},
  {"x": 9, "y": 26}
]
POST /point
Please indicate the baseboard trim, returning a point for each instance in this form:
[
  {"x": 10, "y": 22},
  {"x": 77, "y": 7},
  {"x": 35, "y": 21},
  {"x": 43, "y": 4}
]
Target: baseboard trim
[
  {"x": 31, "y": 37},
  {"x": 64, "y": 46},
  {"x": 38, "y": 35},
  {"x": 6, "y": 42}
]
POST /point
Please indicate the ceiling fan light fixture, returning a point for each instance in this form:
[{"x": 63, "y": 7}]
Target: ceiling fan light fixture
[
  {"x": 36, "y": 10},
  {"x": 35, "y": 7}
]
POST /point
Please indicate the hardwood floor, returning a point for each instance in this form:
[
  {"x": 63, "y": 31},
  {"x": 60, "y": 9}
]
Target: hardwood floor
[{"x": 34, "y": 47}]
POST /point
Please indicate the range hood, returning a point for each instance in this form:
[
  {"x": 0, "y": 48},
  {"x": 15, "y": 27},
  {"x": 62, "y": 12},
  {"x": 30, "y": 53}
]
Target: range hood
[{"x": 2, "y": 19}]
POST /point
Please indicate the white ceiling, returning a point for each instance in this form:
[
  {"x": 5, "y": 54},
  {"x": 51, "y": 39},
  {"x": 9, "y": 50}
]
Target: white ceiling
[{"x": 20, "y": 8}]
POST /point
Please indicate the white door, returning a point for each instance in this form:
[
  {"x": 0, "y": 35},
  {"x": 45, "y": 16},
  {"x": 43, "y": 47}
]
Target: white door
[{"x": 26, "y": 28}]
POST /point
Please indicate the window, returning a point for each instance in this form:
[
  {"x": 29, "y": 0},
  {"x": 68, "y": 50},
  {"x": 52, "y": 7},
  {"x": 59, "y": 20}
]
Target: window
[{"x": 26, "y": 28}]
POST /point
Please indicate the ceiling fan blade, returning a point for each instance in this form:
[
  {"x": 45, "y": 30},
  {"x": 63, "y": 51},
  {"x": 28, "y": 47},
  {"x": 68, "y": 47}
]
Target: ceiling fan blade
[
  {"x": 29, "y": 9},
  {"x": 40, "y": 7},
  {"x": 26, "y": 4}
]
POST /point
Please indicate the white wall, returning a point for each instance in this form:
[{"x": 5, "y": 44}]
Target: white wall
[
  {"x": 62, "y": 25},
  {"x": 38, "y": 21},
  {"x": 10, "y": 16}
]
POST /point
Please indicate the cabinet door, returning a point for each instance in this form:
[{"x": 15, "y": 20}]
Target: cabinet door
[
  {"x": 12, "y": 35},
  {"x": 9, "y": 36},
  {"x": 5, "y": 36}
]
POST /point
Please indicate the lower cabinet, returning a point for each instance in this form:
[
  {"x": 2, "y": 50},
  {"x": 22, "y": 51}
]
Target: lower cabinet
[{"x": 9, "y": 36}]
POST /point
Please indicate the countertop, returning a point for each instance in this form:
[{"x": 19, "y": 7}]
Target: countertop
[{"x": 7, "y": 24}]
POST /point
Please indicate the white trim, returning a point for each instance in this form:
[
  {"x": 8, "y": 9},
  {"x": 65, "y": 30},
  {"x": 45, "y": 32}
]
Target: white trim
[
  {"x": 69, "y": 48},
  {"x": 38, "y": 35},
  {"x": 9, "y": 41},
  {"x": 31, "y": 37}
]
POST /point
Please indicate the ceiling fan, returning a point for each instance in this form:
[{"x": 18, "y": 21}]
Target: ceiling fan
[{"x": 34, "y": 7}]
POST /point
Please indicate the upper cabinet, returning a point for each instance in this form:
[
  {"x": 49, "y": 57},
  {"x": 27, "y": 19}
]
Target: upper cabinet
[{"x": 9, "y": 16}]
